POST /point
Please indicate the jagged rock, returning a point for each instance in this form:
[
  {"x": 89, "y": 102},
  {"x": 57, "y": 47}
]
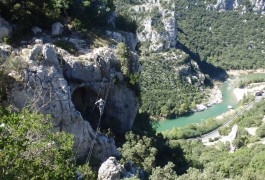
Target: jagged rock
[
  {"x": 257, "y": 6},
  {"x": 200, "y": 107},
  {"x": 36, "y": 30},
  {"x": 5, "y": 51},
  {"x": 192, "y": 73},
  {"x": 131, "y": 40},
  {"x": 57, "y": 29},
  {"x": 66, "y": 87},
  {"x": 38, "y": 41},
  {"x": 128, "y": 38},
  {"x": 5, "y": 28},
  {"x": 157, "y": 29},
  {"x": 110, "y": 170},
  {"x": 116, "y": 36}
]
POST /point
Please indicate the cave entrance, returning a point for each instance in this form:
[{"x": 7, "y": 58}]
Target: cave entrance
[{"x": 84, "y": 99}]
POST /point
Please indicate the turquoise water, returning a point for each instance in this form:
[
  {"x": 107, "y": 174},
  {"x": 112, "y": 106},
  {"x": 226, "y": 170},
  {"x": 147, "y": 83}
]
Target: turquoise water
[{"x": 216, "y": 110}]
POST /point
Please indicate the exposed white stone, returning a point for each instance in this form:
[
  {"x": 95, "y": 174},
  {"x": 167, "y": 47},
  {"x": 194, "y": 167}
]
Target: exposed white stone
[
  {"x": 38, "y": 40},
  {"x": 258, "y": 6},
  {"x": 5, "y": 50},
  {"x": 159, "y": 32},
  {"x": 110, "y": 170},
  {"x": 201, "y": 107},
  {"x": 126, "y": 37}
]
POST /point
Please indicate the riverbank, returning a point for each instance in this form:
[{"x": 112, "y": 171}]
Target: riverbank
[
  {"x": 237, "y": 73},
  {"x": 230, "y": 97},
  {"x": 240, "y": 93},
  {"x": 214, "y": 96}
]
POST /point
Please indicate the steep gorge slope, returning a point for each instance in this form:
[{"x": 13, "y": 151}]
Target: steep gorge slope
[
  {"x": 171, "y": 81},
  {"x": 49, "y": 80},
  {"x": 227, "y": 39}
]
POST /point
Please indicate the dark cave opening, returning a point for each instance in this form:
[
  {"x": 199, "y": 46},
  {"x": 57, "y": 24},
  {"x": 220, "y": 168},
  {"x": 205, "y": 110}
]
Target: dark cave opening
[{"x": 84, "y": 100}]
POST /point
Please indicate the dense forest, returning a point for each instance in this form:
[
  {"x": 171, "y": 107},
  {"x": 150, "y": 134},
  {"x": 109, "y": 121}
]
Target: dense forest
[
  {"x": 160, "y": 78},
  {"x": 230, "y": 39}
]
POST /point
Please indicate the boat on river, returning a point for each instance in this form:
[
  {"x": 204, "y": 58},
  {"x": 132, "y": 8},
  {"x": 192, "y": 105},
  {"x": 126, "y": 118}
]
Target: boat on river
[{"x": 230, "y": 107}]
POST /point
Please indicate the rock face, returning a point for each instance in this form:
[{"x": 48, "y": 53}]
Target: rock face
[
  {"x": 57, "y": 29},
  {"x": 5, "y": 28},
  {"x": 110, "y": 170},
  {"x": 5, "y": 51},
  {"x": 258, "y": 6},
  {"x": 157, "y": 29},
  {"x": 192, "y": 73},
  {"x": 126, "y": 37},
  {"x": 66, "y": 87},
  {"x": 223, "y": 5}
]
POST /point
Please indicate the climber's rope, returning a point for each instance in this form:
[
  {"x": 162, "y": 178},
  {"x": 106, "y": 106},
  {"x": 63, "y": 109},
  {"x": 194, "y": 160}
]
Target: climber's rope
[
  {"x": 99, "y": 121},
  {"x": 101, "y": 85},
  {"x": 96, "y": 100}
]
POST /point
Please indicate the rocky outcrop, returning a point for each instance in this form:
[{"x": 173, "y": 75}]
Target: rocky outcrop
[
  {"x": 5, "y": 28},
  {"x": 5, "y": 51},
  {"x": 156, "y": 21},
  {"x": 57, "y": 29},
  {"x": 110, "y": 170},
  {"x": 128, "y": 38},
  {"x": 222, "y": 5},
  {"x": 192, "y": 73},
  {"x": 257, "y": 6},
  {"x": 66, "y": 87}
]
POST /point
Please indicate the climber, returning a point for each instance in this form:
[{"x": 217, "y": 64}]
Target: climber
[{"x": 100, "y": 103}]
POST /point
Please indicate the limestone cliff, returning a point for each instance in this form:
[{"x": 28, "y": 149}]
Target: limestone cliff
[
  {"x": 156, "y": 20},
  {"x": 52, "y": 81},
  {"x": 257, "y": 6}
]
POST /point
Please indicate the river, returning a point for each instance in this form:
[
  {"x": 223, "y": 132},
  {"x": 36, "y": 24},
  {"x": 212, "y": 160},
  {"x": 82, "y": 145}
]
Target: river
[{"x": 216, "y": 110}]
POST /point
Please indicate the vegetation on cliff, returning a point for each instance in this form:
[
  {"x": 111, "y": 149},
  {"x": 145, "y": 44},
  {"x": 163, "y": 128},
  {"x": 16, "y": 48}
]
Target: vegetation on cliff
[
  {"x": 164, "y": 91},
  {"x": 29, "y": 149},
  {"x": 230, "y": 39}
]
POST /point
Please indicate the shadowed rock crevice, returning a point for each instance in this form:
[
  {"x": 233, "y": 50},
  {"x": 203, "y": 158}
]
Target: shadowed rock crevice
[{"x": 84, "y": 100}]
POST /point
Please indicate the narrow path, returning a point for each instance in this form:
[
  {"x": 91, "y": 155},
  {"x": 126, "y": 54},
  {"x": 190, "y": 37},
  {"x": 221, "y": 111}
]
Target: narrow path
[{"x": 215, "y": 133}]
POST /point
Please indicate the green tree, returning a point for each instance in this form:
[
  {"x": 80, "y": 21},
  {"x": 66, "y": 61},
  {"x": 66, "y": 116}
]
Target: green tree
[
  {"x": 166, "y": 172},
  {"x": 30, "y": 150},
  {"x": 261, "y": 131},
  {"x": 124, "y": 56},
  {"x": 140, "y": 150}
]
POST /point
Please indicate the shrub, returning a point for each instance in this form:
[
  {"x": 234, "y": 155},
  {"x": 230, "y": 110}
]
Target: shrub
[
  {"x": 261, "y": 131},
  {"x": 30, "y": 150}
]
